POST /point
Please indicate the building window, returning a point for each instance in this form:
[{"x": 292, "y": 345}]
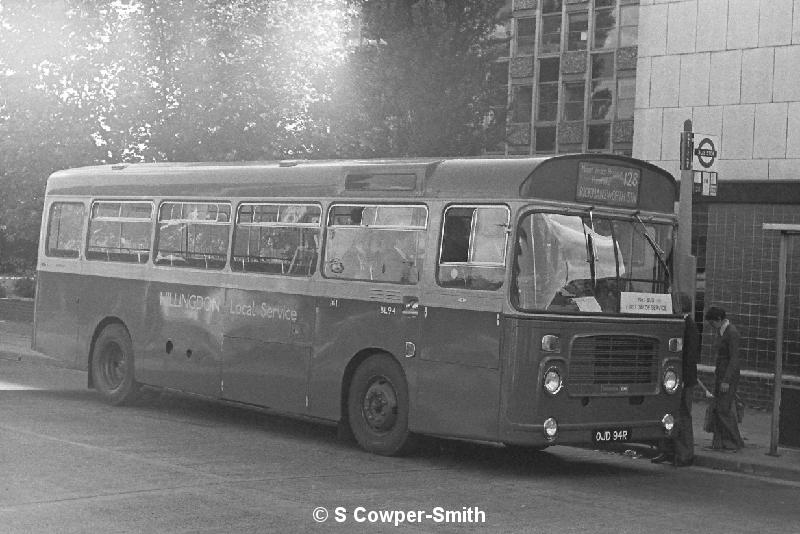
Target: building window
[
  {"x": 551, "y": 6},
  {"x": 602, "y": 100},
  {"x": 545, "y": 139},
  {"x": 605, "y": 25},
  {"x": 628, "y": 25},
  {"x": 522, "y": 103},
  {"x": 547, "y": 109},
  {"x": 573, "y": 100},
  {"x": 603, "y": 65},
  {"x": 602, "y": 86},
  {"x": 626, "y": 95},
  {"x": 551, "y": 34},
  {"x": 526, "y": 36},
  {"x": 578, "y": 31},
  {"x": 548, "y": 69},
  {"x": 599, "y": 136},
  {"x": 548, "y": 102}
]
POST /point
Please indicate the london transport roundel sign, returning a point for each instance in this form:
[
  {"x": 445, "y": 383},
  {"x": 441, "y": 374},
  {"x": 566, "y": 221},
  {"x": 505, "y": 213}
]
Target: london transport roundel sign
[{"x": 705, "y": 153}]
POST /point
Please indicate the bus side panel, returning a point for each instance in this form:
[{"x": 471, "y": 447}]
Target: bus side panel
[
  {"x": 458, "y": 374},
  {"x": 124, "y": 299},
  {"x": 187, "y": 335},
  {"x": 346, "y": 327},
  {"x": 620, "y": 402},
  {"x": 56, "y": 326},
  {"x": 267, "y": 348}
]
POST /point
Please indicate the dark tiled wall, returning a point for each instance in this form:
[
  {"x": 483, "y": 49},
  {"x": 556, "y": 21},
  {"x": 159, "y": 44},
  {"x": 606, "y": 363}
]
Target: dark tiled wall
[
  {"x": 741, "y": 275},
  {"x": 756, "y": 391}
]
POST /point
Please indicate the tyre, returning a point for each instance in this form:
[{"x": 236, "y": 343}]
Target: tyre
[
  {"x": 377, "y": 407},
  {"x": 112, "y": 365}
]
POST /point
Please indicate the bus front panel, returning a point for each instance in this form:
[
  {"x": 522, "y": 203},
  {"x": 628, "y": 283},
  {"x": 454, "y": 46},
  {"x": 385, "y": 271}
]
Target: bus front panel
[{"x": 612, "y": 378}]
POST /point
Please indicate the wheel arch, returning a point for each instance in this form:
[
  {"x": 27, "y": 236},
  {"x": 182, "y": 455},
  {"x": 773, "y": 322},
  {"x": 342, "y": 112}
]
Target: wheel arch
[{"x": 99, "y": 328}]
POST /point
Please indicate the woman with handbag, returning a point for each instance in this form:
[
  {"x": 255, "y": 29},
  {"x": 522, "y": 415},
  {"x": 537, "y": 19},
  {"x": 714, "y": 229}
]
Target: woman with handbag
[{"x": 726, "y": 347}]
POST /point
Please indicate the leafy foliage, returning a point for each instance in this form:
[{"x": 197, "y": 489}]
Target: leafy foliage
[
  {"x": 419, "y": 85},
  {"x": 107, "y": 81}
]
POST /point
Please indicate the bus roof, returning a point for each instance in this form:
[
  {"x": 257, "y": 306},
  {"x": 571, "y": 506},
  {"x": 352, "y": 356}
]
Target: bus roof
[{"x": 483, "y": 178}]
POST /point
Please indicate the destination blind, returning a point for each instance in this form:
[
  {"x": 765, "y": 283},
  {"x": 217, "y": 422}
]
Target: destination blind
[{"x": 608, "y": 184}]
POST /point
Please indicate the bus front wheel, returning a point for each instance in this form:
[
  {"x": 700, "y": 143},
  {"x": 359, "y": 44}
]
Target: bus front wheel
[
  {"x": 112, "y": 365},
  {"x": 378, "y": 406}
]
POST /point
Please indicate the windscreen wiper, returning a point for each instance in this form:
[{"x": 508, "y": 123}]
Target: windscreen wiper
[
  {"x": 590, "y": 256},
  {"x": 657, "y": 249}
]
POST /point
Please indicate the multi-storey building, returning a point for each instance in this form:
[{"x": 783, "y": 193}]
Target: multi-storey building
[
  {"x": 572, "y": 72},
  {"x": 623, "y": 76}
]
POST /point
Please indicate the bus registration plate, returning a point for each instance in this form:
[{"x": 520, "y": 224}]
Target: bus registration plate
[{"x": 607, "y": 435}]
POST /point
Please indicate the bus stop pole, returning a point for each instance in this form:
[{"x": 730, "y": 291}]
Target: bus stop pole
[
  {"x": 686, "y": 267},
  {"x": 786, "y": 230},
  {"x": 778, "y": 381}
]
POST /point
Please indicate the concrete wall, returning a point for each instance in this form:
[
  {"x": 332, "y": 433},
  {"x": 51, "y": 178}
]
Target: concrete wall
[{"x": 733, "y": 67}]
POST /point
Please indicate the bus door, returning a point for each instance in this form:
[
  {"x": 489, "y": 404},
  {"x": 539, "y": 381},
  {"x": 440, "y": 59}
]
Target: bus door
[
  {"x": 461, "y": 332},
  {"x": 59, "y": 282}
]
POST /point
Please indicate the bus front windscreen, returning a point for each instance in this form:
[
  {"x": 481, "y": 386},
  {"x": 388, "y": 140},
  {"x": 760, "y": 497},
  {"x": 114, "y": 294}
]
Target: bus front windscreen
[{"x": 586, "y": 263}]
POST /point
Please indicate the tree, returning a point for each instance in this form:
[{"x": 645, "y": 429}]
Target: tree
[
  {"x": 419, "y": 83},
  {"x": 235, "y": 79},
  {"x": 84, "y": 83},
  {"x": 43, "y": 125},
  {"x": 106, "y": 81}
]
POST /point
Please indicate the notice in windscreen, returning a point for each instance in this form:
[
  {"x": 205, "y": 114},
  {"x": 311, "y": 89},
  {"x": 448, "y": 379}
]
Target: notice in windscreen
[{"x": 647, "y": 303}]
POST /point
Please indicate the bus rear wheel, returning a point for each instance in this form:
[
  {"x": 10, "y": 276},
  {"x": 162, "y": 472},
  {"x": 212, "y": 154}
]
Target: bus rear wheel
[
  {"x": 378, "y": 407},
  {"x": 112, "y": 365}
]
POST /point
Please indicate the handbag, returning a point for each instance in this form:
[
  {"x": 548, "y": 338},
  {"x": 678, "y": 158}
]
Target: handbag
[{"x": 708, "y": 422}]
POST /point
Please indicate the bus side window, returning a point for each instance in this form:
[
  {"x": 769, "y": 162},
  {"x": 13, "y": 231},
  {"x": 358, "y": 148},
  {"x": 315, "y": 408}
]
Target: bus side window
[
  {"x": 120, "y": 231},
  {"x": 276, "y": 239},
  {"x": 473, "y": 249},
  {"x": 193, "y": 234},
  {"x": 378, "y": 243},
  {"x": 64, "y": 230}
]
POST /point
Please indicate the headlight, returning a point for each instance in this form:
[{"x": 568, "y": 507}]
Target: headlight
[
  {"x": 671, "y": 382},
  {"x": 551, "y": 343},
  {"x": 550, "y": 428},
  {"x": 675, "y": 344},
  {"x": 669, "y": 423},
  {"x": 552, "y": 381}
]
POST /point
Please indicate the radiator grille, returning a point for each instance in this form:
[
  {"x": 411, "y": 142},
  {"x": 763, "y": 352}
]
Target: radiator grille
[{"x": 613, "y": 364}]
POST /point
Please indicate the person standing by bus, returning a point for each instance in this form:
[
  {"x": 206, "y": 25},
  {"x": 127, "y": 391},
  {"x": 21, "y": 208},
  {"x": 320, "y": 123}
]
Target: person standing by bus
[
  {"x": 680, "y": 448},
  {"x": 726, "y": 348}
]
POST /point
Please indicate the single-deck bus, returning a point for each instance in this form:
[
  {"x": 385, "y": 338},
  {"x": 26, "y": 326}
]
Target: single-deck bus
[{"x": 524, "y": 301}]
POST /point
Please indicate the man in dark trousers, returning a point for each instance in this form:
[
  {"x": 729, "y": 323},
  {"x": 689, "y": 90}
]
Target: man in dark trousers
[
  {"x": 726, "y": 348},
  {"x": 679, "y": 450}
]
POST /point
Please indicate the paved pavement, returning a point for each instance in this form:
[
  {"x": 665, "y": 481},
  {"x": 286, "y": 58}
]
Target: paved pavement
[
  {"x": 15, "y": 344},
  {"x": 753, "y": 459}
]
